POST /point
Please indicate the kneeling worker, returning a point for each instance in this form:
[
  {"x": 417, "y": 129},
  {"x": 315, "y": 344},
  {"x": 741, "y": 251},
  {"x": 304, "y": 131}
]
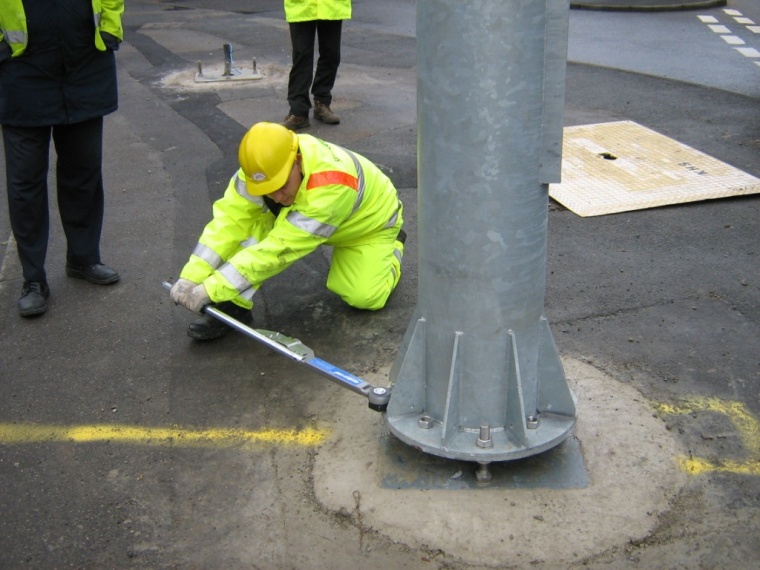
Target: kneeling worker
[{"x": 291, "y": 194}]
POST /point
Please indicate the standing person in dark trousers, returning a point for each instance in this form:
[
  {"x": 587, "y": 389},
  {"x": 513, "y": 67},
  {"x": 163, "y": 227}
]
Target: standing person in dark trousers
[
  {"x": 308, "y": 19},
  {"x": 57, "y": 78}
]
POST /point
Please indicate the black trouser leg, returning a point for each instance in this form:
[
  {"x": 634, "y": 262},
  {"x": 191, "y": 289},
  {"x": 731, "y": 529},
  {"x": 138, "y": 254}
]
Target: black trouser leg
[
  {"x": 80, "y": 188},
  {"x": 328, "y": 35},
  {"x": 26, "y": 167},
  {"x": 302, "y": 36}
]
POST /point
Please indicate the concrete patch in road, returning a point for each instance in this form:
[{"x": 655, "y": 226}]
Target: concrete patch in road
[{"x": 632, "y": 468}]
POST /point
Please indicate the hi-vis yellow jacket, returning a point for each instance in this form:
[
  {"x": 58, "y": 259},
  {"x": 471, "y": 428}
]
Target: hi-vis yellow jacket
[
  {"x": 344, "y": 200},
  {"x": 13, "y": 28},
  {"x": 307, "y": 10}
]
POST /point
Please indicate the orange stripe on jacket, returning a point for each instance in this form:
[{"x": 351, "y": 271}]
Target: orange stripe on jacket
[{"x": 332, "y": 177}]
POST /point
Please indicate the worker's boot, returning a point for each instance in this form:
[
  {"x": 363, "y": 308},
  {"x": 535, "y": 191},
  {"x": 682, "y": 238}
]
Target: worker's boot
[
  {"x": 34, "y": 297},
  {"x": 323, "y": 113},
  {"x": 294, "y": 122},
  {"x": 208, "y": 327}
]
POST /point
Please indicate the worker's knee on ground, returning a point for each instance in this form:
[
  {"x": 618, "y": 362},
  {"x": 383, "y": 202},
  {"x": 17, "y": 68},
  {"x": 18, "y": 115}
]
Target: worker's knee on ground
[
  {"x": 368, "y": 296},
  {"x": 365, "y": 277},
  {"x": 367, "y": 300}
]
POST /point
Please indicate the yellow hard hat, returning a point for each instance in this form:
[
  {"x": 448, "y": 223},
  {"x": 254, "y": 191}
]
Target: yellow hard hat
[{"x": 266, "y": 155}]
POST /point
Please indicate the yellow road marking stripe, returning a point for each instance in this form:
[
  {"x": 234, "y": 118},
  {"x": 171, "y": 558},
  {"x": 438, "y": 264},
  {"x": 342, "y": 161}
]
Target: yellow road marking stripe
[
  {"x": 746, "y": 425},
  {"x": 174, "y": 436},
  {"x": 698, "y": 466}
]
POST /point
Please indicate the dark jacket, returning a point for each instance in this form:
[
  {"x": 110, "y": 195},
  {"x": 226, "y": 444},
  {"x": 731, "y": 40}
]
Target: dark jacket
[{"x": 61, "y": 78}]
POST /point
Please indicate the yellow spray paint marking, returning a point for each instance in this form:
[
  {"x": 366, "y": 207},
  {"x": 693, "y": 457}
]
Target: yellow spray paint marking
[
  {"x": 173, "y": 437},
  {"x": 746, "y": 425}
]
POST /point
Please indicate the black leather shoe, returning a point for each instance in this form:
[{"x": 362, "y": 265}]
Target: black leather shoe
[
  {"x": 33, "y": 301},
  {"x": 210, "y": 328},
  {"x": 99, "y": 274}
]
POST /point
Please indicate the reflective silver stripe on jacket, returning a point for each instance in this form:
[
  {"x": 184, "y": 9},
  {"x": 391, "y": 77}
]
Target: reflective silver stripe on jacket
[
  {"x": 317, "y": 228},
  {"x": 97, "y": 20},
  {"x": 249, "y": 242},
  {"x": 359, "y": 177},
  {"x": 397, "y": 254},
  {"x": 394, "y": 217},
  {"x": 208, "y": 255},
  {"x": 15, "y": 36},
  {"x": 240, "y": 188},
  {"x": 238, "y": 280},
  {"x": 310, "y": 225}
]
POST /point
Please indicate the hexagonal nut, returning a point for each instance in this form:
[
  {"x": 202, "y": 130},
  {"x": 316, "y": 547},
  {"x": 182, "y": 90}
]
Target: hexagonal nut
[{"x": 425, "y": 422}]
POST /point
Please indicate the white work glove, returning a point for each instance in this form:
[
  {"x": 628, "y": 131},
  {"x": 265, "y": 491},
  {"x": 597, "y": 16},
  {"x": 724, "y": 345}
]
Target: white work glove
[
  {"x": 194, "y": 299},
  {"x": 181, "y": 287}
]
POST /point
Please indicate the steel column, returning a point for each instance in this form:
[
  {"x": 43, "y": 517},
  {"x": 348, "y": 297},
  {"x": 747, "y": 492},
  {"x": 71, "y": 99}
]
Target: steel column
[{"x": 478, "y": 376}]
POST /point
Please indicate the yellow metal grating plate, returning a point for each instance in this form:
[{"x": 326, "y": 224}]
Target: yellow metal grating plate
[{"x": 621, "y": 166}]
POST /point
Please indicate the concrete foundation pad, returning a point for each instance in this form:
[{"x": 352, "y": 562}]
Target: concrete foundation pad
[{"x": 631, "y": 476}]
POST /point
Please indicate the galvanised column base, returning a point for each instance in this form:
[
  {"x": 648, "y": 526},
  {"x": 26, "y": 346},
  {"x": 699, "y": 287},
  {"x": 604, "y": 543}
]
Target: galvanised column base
[{"x": 525, "y": 433}]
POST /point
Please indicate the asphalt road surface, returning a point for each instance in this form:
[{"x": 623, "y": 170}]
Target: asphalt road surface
[{"x": 124, "y": 444}]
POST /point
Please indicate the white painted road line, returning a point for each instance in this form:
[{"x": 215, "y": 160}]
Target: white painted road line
[
  {"x": 733, "y": 40},
  {"x": 730, "y": 38},
  {"x": 748, "y": 52}
]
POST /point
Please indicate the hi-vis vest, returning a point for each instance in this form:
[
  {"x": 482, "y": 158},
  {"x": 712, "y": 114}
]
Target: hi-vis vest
[
  {"x": 343, "y": 200},
  {"x": 107, "y": 14},
  {"x": 307, "y": 10}
]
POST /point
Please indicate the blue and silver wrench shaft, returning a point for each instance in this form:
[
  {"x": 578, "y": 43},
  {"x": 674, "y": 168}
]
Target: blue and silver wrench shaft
[{"x": 296, "y": 350}]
